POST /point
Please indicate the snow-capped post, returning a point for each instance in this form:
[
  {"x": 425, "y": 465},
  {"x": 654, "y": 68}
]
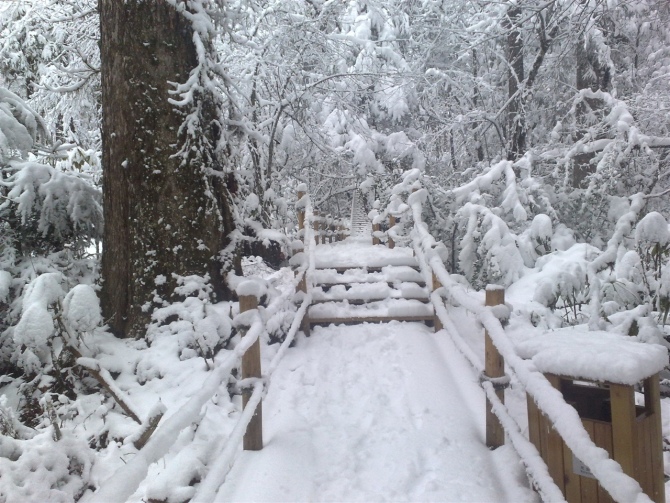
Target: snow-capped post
[
  {"x": 376, "y": 228},
  {"x": 392, "y": 220},
  {"x": 437, "y": 285},
  {"x": 329, "y": 219},
  {"x": 317, "y": 220},
  {"x": 324, "y": 229},
  {"x": 248, "y": 293},
  {"x": 300, "y": 206},
  {"x": 494, "y": 369},
  {"x": 297, "y": 262}
]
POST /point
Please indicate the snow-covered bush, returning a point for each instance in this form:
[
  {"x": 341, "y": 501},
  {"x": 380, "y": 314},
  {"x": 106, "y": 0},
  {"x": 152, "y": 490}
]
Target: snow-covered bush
[
  {"x": 50, "y": 209},
  {"x": 200, "y": 328},
  {"x": 652, "y": 243}
]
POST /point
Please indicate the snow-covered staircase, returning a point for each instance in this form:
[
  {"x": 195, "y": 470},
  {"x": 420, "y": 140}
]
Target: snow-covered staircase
[
  {"x": 357, "y": 282},
  {"x": 360, "y": 223}
]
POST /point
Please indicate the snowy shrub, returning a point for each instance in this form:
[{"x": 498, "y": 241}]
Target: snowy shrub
[
  {"x": 200, "y": 328},
  {"x": 19, "y": 126},
  {"x": 43, "y": 469},
  {"x": 52, "y": 328},
  {"x": 49, "y": 209},
  {"x": 81, "y": 309},
  {"x": 652, "y": 240},
  {"x": 489, "y": 251}
]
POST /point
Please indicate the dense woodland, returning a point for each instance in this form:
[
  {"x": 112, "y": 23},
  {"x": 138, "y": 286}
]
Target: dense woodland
[{"x": 147, "y": 147}]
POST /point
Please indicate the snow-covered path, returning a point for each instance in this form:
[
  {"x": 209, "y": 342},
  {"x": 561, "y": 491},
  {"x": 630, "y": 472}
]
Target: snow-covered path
[{"x": 386, "y": 412}]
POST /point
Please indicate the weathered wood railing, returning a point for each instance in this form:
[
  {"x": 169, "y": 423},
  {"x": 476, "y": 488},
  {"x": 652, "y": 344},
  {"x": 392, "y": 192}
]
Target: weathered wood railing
[
  {"x": 499, "y": 355},
  {"x": 312, "y": 230},
  {"x": 253, "y": 385}
]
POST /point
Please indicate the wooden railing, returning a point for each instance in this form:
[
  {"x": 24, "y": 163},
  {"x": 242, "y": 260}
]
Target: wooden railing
[
  {"x": 253, "y": 385},
  {"x": 500, "y": 355}
]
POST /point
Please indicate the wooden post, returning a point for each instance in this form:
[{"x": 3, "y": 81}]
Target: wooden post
[
  {"x": 302, "y": 286},
  {"x": 317, "y": 220},
  {"x": 301, "y": 218},
  {"x": 375, "y": 229},
  {"x": 437, "y": 323},
  {"x": 494, "y": 367},
  {"x": 304, "y": 325},
  {"x": 330, "y": 229},
  {"x": 251, "y": 367},
  {"x": 392, "y": 220},
  {"x": 324, "y": 231}
]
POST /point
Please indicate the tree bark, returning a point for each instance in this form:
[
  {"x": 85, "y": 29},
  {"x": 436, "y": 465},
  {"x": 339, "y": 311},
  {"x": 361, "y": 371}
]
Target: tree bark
[{"x": 164, "y": 214}]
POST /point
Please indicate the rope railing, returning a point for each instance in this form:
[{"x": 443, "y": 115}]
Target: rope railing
[
  {"x": 549, "y": 400},
  {"x": 125, "y": 481}
]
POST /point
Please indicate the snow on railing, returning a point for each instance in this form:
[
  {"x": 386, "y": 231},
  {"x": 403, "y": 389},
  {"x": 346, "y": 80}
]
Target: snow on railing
[
  {"x": 125, "y": 481},
  {"x": 549, "y": 400},
  {"x": 221, "y": 467}
]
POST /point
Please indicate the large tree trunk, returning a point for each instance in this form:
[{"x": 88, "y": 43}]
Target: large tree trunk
[{"x": 163, "y": 214}]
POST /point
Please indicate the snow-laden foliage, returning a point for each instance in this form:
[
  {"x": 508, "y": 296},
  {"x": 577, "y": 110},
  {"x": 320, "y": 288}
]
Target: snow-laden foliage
[
  {"x": 579, "y": 282},
  {"x": 199, "y": 328},
  {"x": 49, "y": 55}
]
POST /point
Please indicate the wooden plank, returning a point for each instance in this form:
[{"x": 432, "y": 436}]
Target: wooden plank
[
  {"x": 555, "y": 457},
  {"x": 643, "y": 460},
  {"x": 602, "y": 433},
  {"x": 368, "y": 319},
  {"x": 554, "y": 443},
  {"x": 652, "y": 400},
  {"x": 370, "y": 269},
  {"x": 391, "y": 284},
  {"x": 589, "y": 486},
  {"x": 623, "y": 418},
  {"x": 533, "y": 423},
  {"x": 360, "y": 302},
  {"x": 572, "y": 482},
  {"x": 302, "y": 287}
]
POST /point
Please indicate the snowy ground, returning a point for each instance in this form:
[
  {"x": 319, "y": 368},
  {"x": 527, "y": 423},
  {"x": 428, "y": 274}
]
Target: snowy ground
[
  {"x": 389, "y": 412},
  {"x": 385, "y": 412}
]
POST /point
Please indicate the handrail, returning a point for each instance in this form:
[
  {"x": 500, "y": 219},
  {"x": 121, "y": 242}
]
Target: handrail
[
  {"x": 549, "y": 400},
  {"x": 221, "y": 467},
  {"x": 125, "y": 481}
]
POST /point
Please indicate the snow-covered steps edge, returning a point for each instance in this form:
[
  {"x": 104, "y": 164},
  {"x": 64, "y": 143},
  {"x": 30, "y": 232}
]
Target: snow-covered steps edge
[
  {"x": 361, "y": 293},
  {"x": 371, "y": 312},
  {"x": 388, "y": 274}
]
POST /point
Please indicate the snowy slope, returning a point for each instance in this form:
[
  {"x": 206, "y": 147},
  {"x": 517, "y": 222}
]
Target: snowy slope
[{"x": 375, "y": 413}]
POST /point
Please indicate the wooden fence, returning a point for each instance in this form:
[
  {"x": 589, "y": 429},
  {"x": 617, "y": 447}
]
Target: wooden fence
[{"x": 565, "y": 456}]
